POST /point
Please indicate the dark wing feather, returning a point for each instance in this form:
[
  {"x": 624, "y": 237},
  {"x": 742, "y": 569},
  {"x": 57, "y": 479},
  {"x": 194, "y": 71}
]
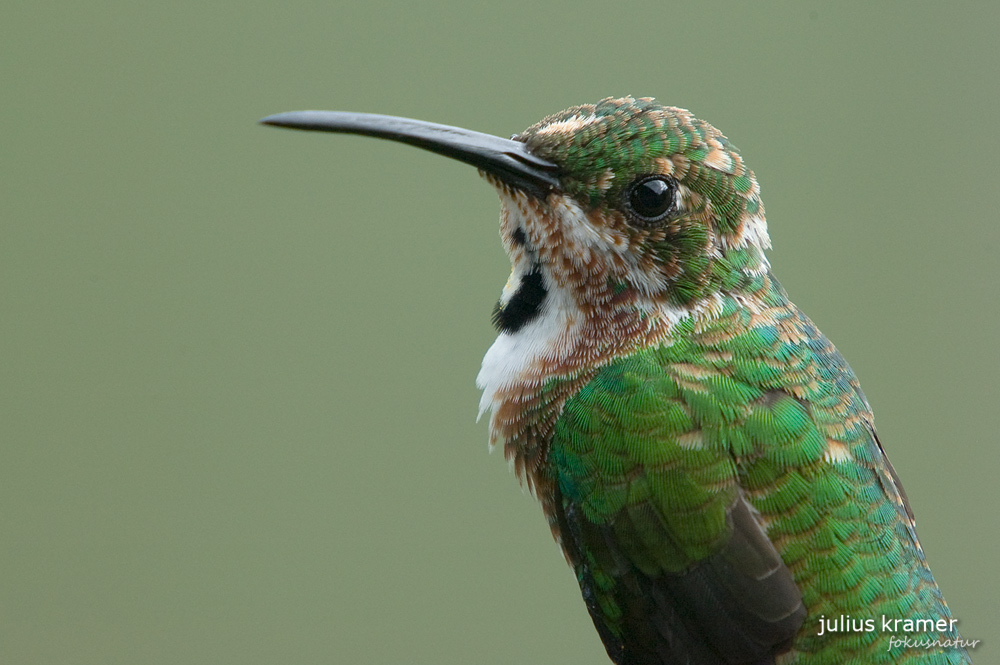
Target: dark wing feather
[{"x": 739, "y": 605}]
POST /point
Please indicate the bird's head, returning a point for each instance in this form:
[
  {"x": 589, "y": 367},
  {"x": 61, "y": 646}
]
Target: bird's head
[{"x": 622, "y": 203}]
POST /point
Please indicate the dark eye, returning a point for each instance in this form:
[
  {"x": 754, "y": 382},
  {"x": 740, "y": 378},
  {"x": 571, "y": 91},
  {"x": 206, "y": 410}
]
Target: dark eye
[{"x": 651, "y": 198}]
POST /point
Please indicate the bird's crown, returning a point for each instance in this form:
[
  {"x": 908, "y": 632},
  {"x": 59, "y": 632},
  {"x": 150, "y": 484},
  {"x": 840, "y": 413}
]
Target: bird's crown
[
  {"x": 603, "y": 148},
  {"x": 670, "y": 185}
]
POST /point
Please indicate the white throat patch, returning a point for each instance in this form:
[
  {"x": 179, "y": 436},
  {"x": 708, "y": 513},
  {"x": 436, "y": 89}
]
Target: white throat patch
[
  {"x": 517, "y": 357},
  {"x": 552, "y": 342}
]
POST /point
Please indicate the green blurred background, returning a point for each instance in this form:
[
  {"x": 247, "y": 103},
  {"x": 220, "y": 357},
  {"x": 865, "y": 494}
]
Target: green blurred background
[{"x": 238, "y": 402}]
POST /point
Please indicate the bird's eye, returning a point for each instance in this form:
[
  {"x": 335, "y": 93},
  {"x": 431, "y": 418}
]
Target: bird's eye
[{"x": 651, "y": 199}]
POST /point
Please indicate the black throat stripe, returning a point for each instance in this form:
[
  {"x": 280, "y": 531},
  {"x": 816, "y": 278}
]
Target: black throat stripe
[{"x": 523, "y": 306}]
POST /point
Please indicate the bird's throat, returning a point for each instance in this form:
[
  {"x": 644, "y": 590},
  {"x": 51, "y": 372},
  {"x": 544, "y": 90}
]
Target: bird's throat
[{"x": 523, "y": 305}]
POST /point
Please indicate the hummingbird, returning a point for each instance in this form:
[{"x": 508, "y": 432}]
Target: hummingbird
[{"x": 704, "y": 456}]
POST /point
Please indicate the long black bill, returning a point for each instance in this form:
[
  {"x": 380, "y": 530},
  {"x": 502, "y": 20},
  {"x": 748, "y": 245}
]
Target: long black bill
[{"x": 508, "y": 160}]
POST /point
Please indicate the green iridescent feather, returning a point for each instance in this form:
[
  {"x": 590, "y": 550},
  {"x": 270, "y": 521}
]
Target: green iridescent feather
[{"x": 660, "y": 444}]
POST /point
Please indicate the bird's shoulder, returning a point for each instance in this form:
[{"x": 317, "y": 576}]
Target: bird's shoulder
[{"x": 753, "y": 400}]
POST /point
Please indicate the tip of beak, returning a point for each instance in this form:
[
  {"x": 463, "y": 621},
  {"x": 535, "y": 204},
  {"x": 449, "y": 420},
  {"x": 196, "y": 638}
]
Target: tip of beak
[{"x": 273, "y": 120}]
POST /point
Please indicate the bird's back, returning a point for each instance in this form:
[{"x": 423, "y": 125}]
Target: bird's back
[{"x": 723, "y": 493}]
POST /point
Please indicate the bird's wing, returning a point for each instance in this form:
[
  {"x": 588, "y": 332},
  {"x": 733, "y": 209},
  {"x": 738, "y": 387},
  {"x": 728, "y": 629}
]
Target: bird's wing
[
  {"x": 712, "y": 490},
  {"x": 673, "y": 561}
]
